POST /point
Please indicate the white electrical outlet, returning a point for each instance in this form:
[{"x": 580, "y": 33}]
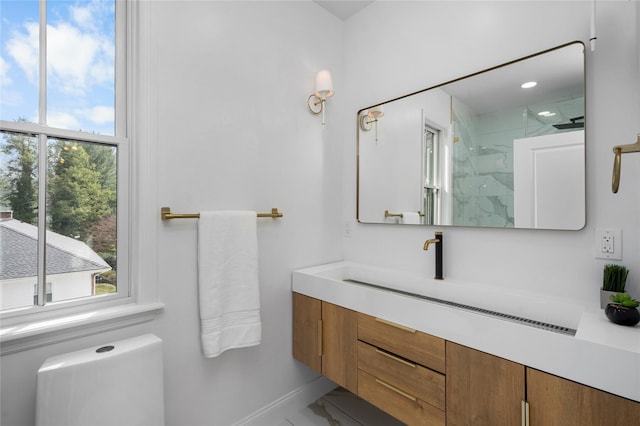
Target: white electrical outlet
[
  {"x": 348, "y": 230},
  {"x": 608, "y": 244}
]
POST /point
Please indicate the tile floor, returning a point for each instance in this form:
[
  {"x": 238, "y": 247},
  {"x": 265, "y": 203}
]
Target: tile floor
[{"x": 340, "y": 408}]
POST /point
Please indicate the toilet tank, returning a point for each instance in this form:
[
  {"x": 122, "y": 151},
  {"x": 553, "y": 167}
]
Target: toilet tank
[{"x": 119, "y": 383}]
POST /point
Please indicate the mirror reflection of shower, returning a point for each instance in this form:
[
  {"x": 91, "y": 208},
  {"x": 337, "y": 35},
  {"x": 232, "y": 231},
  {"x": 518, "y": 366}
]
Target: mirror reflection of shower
[{"x": 431, "y": 175}]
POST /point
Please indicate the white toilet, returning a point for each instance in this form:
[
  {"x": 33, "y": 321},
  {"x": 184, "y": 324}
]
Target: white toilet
[{"x": 119, "y": 383}]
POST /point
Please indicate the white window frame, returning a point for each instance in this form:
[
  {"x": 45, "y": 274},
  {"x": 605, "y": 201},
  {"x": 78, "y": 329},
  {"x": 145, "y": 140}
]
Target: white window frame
[
  {"x": 43, "y": 325},
  {"x": 48, "y": 294}
]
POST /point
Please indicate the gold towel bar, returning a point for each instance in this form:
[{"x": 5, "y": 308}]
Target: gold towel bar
[
  {"x": 619, "y": 150},
  {"x": 388, "y": 214},
  {"x": 165, "y": 213}
]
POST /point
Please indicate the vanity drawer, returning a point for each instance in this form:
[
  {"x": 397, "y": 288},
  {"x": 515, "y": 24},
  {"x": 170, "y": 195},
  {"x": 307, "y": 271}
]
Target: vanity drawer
[
  {"x": 412, "y": 378},
  {"x": 401, "y": 405},
  {"x": 408, "y": 343}
]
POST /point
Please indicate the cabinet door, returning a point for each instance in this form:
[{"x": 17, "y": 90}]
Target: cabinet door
[
  {"x": 325, "y": 339},
  {"x": 482, "y": 389},
  {"x": 339, "y": 346},
  {"x": 554, "y": 401},
  {"x": 307, "y": 313}
]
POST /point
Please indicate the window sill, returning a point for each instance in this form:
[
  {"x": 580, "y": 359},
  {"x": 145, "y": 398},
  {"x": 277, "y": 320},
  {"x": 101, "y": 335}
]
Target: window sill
[{"x": 25, "y": 336}]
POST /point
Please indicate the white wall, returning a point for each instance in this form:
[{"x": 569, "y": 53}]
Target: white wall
[
  {"x": 233, "y": 131},
  {"x": 17, "y": 293},
  {"x": 391, "y": 168},
  {"x": 73, "y": 285},
  {"x": 402, "y": 40}
]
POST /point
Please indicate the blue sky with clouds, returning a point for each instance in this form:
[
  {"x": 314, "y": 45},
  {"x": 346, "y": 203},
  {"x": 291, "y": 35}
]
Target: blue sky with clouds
[{"x": 80, "y": 63}]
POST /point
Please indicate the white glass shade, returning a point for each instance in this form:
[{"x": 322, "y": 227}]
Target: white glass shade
[
  {"x": 324, "y": 85},
  {"x": 376, "y": 112}
]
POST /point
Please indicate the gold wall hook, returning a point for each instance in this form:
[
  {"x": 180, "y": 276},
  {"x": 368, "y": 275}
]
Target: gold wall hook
[
  {"x": 615, "y": 180},
  {"x": 617, "y": 161}
]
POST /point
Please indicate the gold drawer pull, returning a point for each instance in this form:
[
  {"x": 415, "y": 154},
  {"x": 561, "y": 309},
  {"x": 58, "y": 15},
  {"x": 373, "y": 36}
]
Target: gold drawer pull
[
  {"x": 525, "y": 413},
  {"x": 395, "y": 358},
  {"x": 396, "y": 390},
  {"x": 320, "y": 337},
  {"x": 393, "y": 324}
]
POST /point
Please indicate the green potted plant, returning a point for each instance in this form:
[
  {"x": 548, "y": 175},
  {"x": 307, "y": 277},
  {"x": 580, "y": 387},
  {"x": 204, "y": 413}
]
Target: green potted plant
[
  {"x": 614, "y": 280},
  {"x": 623, "y": 310}
]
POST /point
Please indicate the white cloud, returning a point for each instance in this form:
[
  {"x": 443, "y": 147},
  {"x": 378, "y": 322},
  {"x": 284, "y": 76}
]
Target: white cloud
[
  {"x": 70, "y": 55},
  {"x": 4, "y": 72},
  {"x": 63, "y": 120},
  {"x": 77, "y": 65},
  {"x": 99, "y": 114},
  {"x": 82, "y": 16},
  {"x": 11, "y": 98},
  {"x": 23, "y": 48},
  {"x": 78, "y": 56},
  {"x": 88, "y": 14}
]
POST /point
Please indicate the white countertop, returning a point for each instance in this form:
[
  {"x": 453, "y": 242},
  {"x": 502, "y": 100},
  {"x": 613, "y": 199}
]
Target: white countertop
[{"x": 603, "y": 355}]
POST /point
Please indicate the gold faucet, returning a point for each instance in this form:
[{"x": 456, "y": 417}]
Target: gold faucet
[{"x": 432, "y": 241}]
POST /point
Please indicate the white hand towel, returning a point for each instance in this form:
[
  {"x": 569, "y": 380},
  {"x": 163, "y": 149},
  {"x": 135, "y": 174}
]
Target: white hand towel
[
  {"x": 410, "y": 218},
  {"x": 228, "y": 281}
]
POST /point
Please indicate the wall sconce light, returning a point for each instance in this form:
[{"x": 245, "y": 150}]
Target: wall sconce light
[
  {"x": 370, "y": 117},
  {"x": 324, "y": 90}
]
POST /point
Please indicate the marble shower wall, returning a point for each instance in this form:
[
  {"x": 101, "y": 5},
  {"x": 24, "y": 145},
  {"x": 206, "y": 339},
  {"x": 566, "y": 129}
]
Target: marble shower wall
[{"x": 482, "y": 162}]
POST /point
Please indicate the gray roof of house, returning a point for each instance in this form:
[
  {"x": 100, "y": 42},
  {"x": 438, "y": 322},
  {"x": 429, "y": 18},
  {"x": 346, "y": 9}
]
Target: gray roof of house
[{"x": 19, "y": 252}]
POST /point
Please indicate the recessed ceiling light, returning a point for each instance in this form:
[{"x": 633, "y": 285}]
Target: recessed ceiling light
[
  {"x": 529, "y": 84},
  {"x": 547, "y": 113}
]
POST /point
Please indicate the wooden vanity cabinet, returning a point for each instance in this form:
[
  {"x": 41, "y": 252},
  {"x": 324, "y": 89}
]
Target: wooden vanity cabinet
[
  {"x": 325, "y": 339},
  {"x": 307, "y": 323},
  {"x": 554, "y": 401},
  {"x": 401, "y": 371},
  {"x": 483, "y": 389}
]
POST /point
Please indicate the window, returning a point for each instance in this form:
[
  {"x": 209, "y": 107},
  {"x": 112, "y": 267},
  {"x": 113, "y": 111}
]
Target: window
[
  {"x": 430, "y": 166},
  {"x": 63, "y": 154}
]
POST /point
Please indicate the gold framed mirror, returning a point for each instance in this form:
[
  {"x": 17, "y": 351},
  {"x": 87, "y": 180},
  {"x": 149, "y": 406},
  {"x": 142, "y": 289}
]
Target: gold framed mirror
[{"x": 484, "y": 150}]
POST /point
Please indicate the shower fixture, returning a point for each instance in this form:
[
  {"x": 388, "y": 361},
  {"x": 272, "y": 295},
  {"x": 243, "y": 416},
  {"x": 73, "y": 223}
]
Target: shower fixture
[{"x": 575, "y": 123}]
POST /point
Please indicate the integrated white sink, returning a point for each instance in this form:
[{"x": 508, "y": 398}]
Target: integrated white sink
[{"x": 481, "y": 298}]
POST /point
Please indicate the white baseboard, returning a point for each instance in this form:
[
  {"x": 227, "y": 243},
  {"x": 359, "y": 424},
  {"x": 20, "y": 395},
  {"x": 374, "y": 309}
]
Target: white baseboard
[{"x": 275, "y": 412}]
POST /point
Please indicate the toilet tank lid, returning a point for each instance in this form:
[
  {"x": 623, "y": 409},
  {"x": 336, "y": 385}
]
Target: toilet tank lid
[{"x": 107, "y": 350}]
